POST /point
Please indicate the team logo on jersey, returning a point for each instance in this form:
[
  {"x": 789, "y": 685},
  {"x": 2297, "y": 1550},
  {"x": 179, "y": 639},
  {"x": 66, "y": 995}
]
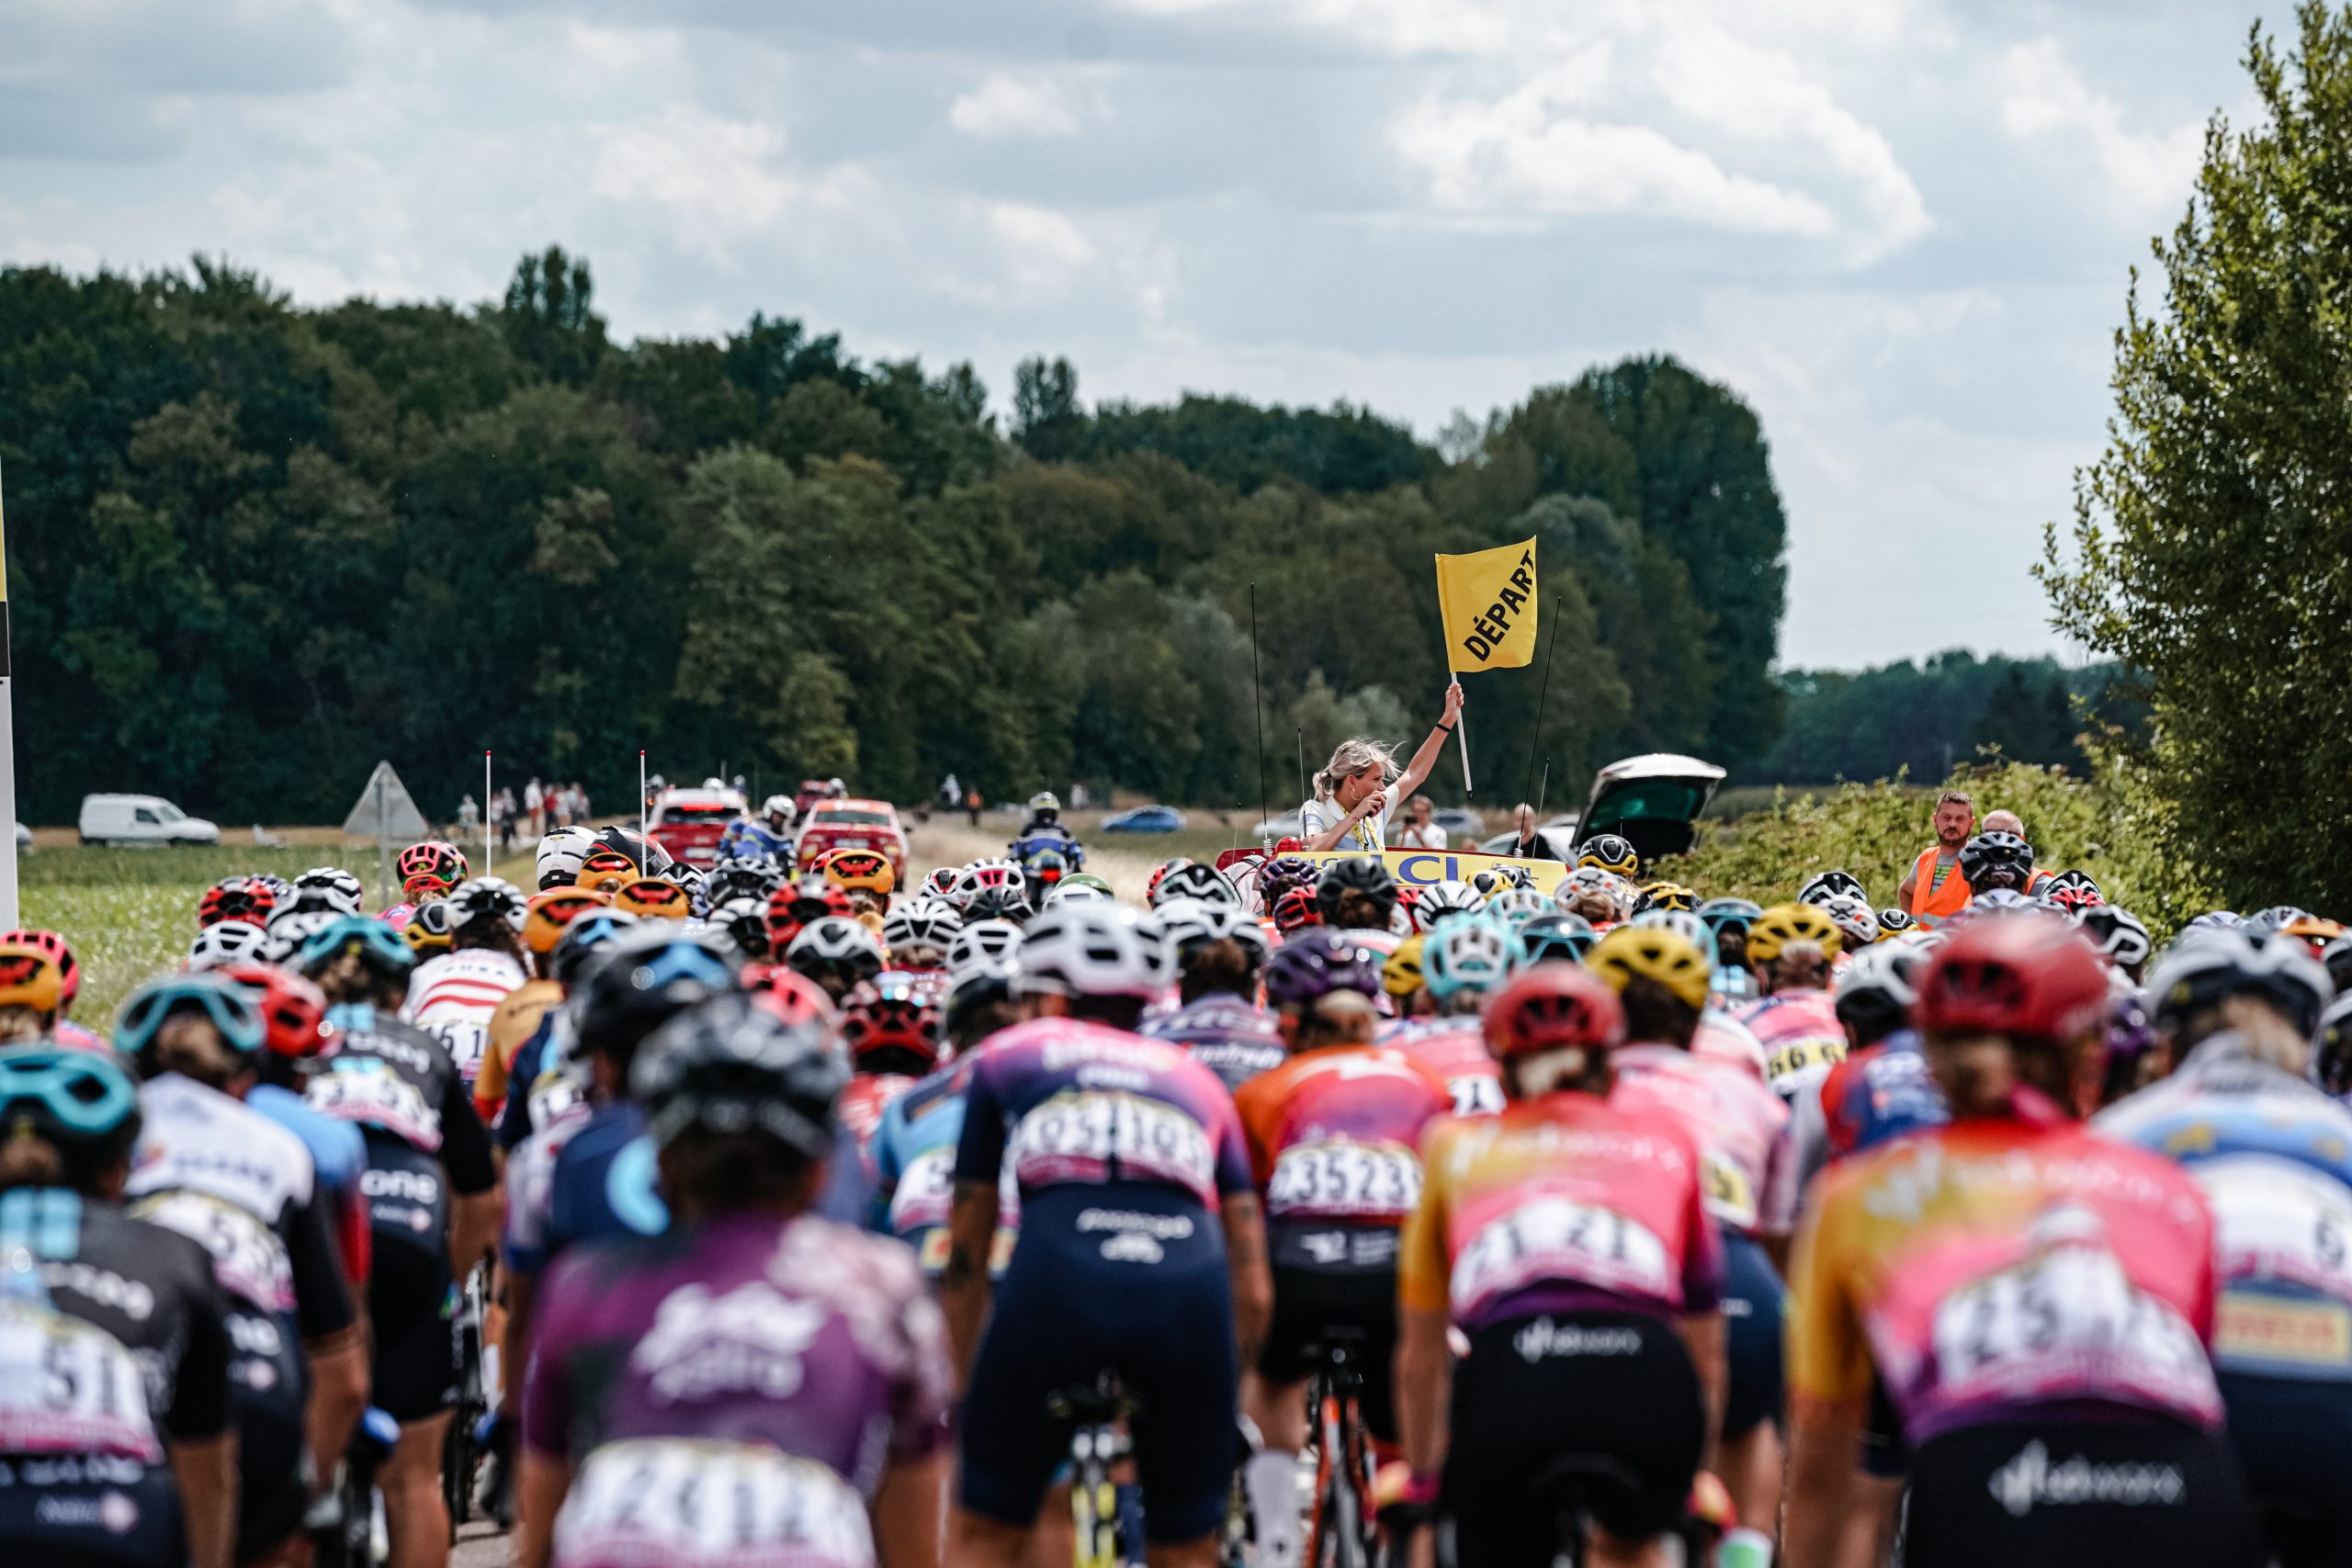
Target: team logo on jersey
[{"x": 749, "y": 1341}]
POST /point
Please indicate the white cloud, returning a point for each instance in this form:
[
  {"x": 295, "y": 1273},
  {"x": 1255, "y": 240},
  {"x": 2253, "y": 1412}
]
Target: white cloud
[
  {"x": 1005, "y": 107},
  {"x": 1043, "y": 250},
  {"x": 719, "y": 179},
  {"x": 2044, "y": 98}
]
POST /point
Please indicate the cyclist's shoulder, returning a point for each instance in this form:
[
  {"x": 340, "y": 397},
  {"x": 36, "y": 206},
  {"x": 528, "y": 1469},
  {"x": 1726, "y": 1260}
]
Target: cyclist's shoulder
[{"x": 189, "y": 1125}]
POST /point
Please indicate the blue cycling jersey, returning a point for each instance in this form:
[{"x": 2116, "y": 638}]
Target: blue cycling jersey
[
  {"x": 749, "y": 837},
  {"x": 2274, "y": 1154},
  {"x": 338, "y": 1149}
]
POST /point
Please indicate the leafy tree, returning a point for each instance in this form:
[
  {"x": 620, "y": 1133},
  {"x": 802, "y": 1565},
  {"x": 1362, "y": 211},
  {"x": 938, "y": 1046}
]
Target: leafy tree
[
  {"x": 2209, "y": 539},
  {"x": 550, "y": 318},
  {"x": 1047, "y": 418}
]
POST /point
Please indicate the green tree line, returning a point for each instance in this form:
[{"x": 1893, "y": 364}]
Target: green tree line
[{"x": 253, "y": 547}]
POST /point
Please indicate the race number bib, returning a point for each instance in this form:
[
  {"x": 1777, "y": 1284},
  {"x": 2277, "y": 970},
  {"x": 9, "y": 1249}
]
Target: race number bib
[
  {"x": 1339, "y": 1180},
  {"x": 1800, "y": 1055},
  {"x": 1729, "y": 1195},
  {"x": 363, "y": 1090},
  {"x": 68, "y": 1387},
  {"x": 924, "y": 1192},
  {"x": 1477, "y": 1094},
  {"x": 2069, "y": 1323},
  {"x": 1555, "y": 1239},
  {"x": 556, "y": 1096},
  {"x": 247, "y": 1256},
  {"x": 2283, "y": 1234},
  {"x": 1096, "y": 1135},
  {"x": 685, "y": 1504},
  {"x": 467, "y": 1039}
]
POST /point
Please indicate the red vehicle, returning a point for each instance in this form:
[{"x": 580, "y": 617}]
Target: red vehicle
[
  {"x": 853, "y": 825},
  {"x": 687, "y": 823},
  {"x": 812, "y": 791}
]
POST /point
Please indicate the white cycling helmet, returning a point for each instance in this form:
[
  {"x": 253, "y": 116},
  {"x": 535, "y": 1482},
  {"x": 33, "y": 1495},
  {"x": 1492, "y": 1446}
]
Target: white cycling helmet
[
  {"x": 1442, "y": 900},
  {"x": 1066, "y": 892},
  {"x": 330, "y": 888},
  {"x": 289, "y": 931},
  {"x": 227, "y": 941},
  {"x": 833, "y": 940},
  {"x": 780, "y": 805},
  {"x": 982, "y": 941},
  {"x": 1197, "y": 881},
  {"x": 486, "y": 898},
  {"x": 920, "y": 922},
  {"x": 560, "y": 854},
  {"x": 1682, "y": 923},
  {"x": 1188, "y": 922},
  {"x": 1094, "y": 948}
]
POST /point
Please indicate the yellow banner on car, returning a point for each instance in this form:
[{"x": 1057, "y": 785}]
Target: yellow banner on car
[
  {"x": 1488, "y": 603},
  {"x": 1426, "y": 868}
]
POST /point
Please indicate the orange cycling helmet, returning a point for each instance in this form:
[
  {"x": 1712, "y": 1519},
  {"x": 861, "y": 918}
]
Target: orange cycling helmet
[
  {"x": 546, "y": 914},
  {"x": 861, "y": 871},
  {"x": 606, "y": 871},
  {"x": 69, "y": 970},
  {"x": 1553, "y": 1006},
  {"x": 654, "y": 899},
  {"x": 30, "y": 976}
]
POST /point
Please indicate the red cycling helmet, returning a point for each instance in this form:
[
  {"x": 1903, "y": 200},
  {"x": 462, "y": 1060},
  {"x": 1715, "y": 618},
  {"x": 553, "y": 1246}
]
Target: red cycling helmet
[
  {"x": 795, "y": 904},
  {"x": 246, "y": 899},
  {"x": 293, "y": 1011},
  {"x": 1553, "y": 1006},
  {"x": 429, "y": 869},
  {"x": 2025, "y": 977},
  {"x": 69, "y": 970},
  {"x": 892, "y": 1016},
  {"x": 1297, "y": 908},
  {"x": 790, "y": 994}
]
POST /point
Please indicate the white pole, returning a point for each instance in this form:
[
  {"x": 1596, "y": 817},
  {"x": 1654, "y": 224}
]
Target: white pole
[
  {"x": 644, "y": 837},
  {"x": 1464, "y": 735},
  {"x": 8, "y": 752},
  {"x": 489, "y": 840}
]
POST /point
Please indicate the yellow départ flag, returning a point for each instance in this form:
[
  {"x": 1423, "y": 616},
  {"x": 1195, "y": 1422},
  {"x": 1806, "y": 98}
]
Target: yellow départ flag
[{"x": 1488, "y": 603}]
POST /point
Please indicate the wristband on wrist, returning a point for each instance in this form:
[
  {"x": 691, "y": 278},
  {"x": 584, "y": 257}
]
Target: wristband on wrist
[
  {"x": 1421, "y": 1491},
  {"x": 1447, "y": 728}
]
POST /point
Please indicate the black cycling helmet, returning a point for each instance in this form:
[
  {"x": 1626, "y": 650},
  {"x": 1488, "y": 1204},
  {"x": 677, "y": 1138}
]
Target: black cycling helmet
[
  {"x": 642, "y": 981},
  {"x": 1992, "y": 861},
  {"x": 743, "y": 876},
  {"x": 1317, "y": 962},
  {"x": 1006, "y": 903},
  {"x": 1357, "y": 874},
  {"x": 2336, "y": 958},
  {"x": 2118, "y": 933},
  {"x": 83, "y": 1103},
  {"x": 587, "y": 936},
  {"x": 727, "y": 1065},
  {"x": 650, "y": 858},
  {"x": 1612, "y": 853},
  {"x": 1197, "y": 881}
]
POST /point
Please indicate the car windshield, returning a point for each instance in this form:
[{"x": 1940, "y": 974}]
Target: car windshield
[
  {"x": 166, "y": 812},
  {"x": 1676, "y": 798},
  {"x": 850, "y": 819}
]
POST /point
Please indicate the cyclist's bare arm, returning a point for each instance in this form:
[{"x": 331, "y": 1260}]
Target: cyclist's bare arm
[
  {"x": 473, "y": 1227},
  {"x": 338, "y": 1387},
  {"x": 964, "y": 1283},
  {"x": 1424, "y": 1383},
  {"x": 1821, "y": 1487},
  {"x": 907, "y": 1507},
  {"x": 538, "y": 1498},
  {"x": 1253, "y": 1280},
  {"x": 1703, "y": 1335},
  {"x": 206, "y": 1470}
]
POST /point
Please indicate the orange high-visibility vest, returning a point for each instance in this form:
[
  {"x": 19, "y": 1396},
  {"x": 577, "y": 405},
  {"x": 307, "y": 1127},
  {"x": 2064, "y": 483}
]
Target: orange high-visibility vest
[{"x": 1931, "y": 905}]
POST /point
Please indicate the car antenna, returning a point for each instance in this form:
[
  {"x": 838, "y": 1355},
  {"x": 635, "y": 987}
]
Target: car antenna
[{"x": 1257, "y": 703}]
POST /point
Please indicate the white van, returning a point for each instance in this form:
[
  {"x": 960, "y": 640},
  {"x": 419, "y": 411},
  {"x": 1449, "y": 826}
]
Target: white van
[{"x": 141, "y": 819}]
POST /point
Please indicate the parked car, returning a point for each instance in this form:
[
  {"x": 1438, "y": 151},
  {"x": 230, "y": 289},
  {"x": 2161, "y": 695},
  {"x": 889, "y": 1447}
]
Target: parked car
[
  {"x": 1558, "y": 833},
  {"x": 1654, "y": 801},
  {"x": 852, "y": 825},
  {"x": 1144, "y": 819},
  {"x": 1283, "y": 827},
  {"x": 141, "y": 819},
  {"x": 687, "y": 823},
  {"x": 24, "y": 840}
]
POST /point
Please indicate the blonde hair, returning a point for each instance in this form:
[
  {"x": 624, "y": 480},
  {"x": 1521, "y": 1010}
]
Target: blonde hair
[{"x": 1352, "y": 756}]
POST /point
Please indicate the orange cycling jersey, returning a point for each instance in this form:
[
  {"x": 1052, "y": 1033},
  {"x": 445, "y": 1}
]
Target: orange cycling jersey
[
  {"x": 1989, "y": 1268},
  {"x": 1336, "y": 1134},
  {"x": 512, "y": 1023},
  {"x": 1561, "y": 1204}
]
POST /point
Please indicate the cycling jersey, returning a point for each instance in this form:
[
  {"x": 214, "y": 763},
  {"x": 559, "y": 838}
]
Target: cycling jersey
[
  {"x": 1561, "y": 1204},
  {"x": 1991, "y": 1270},
  {"x": 914, "y": 1170},
  {"x": 862, "y": 1101},
  {"x": 452, "y": 995},
  {"x": 1740, "y": 1127},
  {"x": 2274, "y": 1156},
  {"x": 514, "y": 1021},
  {"x": 1231, "y": 1037},
  {"x": 1800, "y": 1036},
  {"x": 1724, "y": 1038},
  {"x": 748, "y": 840},
  {"x": 123, "y": 1347},
  {"x": 229, "y": 1178},
  {"x": 338, "y": 1156},
  {"x": 71, "y": 1036},
  {"x": 1066, "y": 1101},
  {"x": 395, "y": 1081},
  {"x": 605, "y": 1184},
  {"x": 1456, "y": 1050},
  {"x": 1334, "y": 1138},
  {"x": 734, "y": 1391},
  {"x": 1877, "y": 1093}
]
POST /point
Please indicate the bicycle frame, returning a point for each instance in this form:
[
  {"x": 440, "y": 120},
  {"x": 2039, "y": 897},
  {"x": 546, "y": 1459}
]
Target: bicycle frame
[{"x": 1340, "y": 1532}]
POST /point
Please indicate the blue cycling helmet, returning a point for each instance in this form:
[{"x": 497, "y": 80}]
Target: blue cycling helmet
[
  {"x": 82, "y": 1102},
  {"x": 1468, "y": 953},
  {"x": 384, "y": 951},
  {"x": 586, "y": 935},
  {"x": 1316, "y": 961},
  {"x": 230, "y": 1007},
  {"x": 1561, "y": 937}
]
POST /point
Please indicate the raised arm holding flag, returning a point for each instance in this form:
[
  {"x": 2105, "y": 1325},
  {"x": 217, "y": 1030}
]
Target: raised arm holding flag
[{"x": 1353, "y": 794}]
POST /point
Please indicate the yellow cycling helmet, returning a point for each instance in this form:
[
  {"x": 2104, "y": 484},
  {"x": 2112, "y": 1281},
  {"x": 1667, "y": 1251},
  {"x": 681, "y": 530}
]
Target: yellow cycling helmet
[
  {"x": 427, "y": 931},
  {"x": 1666, "y": 896},
  {"x": 654, "y": 899},
  {"x": 30, "y": 976},
  {"x": 1400, "y": 975},
  {"x": 1782, "y": 924},
  {"x": 1651, "y": 952},
  {"x": 861, "y": 871},
  {"x": 547, "y": 915},
  {"x": 1611, "y": 852}
]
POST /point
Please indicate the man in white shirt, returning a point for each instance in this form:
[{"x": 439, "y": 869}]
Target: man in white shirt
[
  {"x": 1422, "y": 832},
  {"x": 1349, "y": 808}
]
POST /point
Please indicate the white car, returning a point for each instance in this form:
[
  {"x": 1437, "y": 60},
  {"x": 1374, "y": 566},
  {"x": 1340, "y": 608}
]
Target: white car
[{"x": 141, "y": 819}]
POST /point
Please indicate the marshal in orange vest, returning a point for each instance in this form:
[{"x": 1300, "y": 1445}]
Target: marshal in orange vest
[{"x": 1931, "y": 905}]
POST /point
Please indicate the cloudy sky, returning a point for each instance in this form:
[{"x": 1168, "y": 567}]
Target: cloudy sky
[{"x": 1900, "y": 228}]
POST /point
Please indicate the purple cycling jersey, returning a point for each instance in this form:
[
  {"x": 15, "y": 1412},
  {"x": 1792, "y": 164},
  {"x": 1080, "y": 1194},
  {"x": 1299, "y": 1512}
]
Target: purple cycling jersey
[
  {"x": 810, "y": 1338},
  {"x": 1234, "y": 1039},
  {"x": 1069, "y": 1102}
]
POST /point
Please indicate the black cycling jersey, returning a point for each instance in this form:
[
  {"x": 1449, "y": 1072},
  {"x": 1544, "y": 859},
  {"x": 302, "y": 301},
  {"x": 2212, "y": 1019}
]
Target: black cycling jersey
[{"x": 393, "y": 1077}]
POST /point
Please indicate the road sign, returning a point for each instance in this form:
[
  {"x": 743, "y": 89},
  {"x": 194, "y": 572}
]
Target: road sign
[{"x": 384, "y": 809}]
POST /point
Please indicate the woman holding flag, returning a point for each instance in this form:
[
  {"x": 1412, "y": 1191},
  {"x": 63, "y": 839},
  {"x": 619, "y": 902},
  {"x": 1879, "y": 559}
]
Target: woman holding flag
[{"x": 1349, "y": 808}]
